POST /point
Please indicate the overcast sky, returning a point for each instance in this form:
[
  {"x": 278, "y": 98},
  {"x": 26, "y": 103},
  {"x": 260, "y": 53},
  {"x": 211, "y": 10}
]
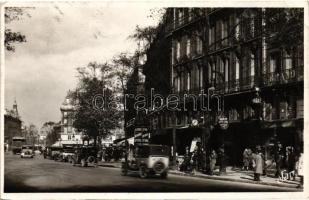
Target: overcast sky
[{"x": 60, "y": 38}]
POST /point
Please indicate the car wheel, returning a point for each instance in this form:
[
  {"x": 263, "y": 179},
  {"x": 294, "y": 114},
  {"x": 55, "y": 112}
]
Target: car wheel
[
  {"x": 143, "y": 172},
  {"x": 163, "y": 175},
  {"x": 124, "y": 170},
  {"x": 84, "y": 163},
  {"x": 73, "y": 161}
]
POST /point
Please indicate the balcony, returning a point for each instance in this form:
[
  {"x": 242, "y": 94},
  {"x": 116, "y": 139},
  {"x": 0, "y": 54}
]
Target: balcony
[
  {"x": 236, "y": 85},
  {"x": 184, "y": 21},
  {"x": 287, "y": 76}
]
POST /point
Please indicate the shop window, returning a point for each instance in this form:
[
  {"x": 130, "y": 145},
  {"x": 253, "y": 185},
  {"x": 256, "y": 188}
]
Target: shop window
[
  {"x": 300, "y": 108},
  {"x": 248, "y": 112},
  {"x": 179, "y": 118},
  {"x": 233, "y": 115},
  {"x": 267, "y": 111},
  {"x": 283, "y": 110}
]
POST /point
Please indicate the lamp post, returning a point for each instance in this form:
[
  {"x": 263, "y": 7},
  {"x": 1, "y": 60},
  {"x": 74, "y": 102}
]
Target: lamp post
[{"x": 223, "y": 124}]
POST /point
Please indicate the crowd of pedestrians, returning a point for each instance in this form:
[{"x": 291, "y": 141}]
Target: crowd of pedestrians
[{"x": 285, "y": 163}]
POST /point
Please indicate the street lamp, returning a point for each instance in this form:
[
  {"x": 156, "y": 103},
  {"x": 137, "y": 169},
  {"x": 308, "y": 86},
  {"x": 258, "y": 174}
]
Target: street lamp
[{"x": 223, "y": 124}]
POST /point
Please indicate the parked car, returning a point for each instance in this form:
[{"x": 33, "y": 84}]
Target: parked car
[
  {"x": 85, "y": 155},
  {"x": 27, "y": 151},
  {"x": 147, "y": 160},
  {"x": 67, "y": 154}
]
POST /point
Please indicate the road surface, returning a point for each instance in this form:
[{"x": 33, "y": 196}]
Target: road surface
[{"x": 43, "y": 175}]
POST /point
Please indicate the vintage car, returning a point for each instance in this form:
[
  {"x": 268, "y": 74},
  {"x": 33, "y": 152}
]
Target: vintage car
[
  {"x": 27, "y": 151},
  {"x": 147, "y": 160},
  {"x": 66, "y": 154},
  {"x": 52, "y": 152},
  {"x": 85, "y": 155}
]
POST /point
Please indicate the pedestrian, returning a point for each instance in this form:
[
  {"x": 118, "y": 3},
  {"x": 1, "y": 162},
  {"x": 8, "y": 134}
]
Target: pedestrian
[
  {"x": 279, "y": 159},
  {"x": 290, "y": 162},
  {"x": 204, "y": 160},
  {"x": 221, "y": 160},
  {"x": 213, "y": 161},
  {"x": 246, "y": 159},
  {"x": 300, "y": 169},
  {"x": 258, "y": 165}
]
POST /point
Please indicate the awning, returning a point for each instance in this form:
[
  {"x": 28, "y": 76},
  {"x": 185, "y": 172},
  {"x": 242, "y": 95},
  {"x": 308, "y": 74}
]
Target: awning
[{"x": 279, "y": 124}]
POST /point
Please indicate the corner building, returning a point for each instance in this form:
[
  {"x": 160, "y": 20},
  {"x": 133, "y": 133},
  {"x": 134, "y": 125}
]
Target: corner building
[{"x": 234, "y": 53}]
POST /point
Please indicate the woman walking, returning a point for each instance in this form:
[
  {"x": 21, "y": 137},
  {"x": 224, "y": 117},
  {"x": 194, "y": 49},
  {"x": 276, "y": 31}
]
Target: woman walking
[
  {"x": 258, "y": 165},
  {"x": 213, "y": 160}
]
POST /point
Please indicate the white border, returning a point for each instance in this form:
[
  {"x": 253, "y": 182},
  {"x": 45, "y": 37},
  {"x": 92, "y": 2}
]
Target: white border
[{"x": 209, "y": 3}]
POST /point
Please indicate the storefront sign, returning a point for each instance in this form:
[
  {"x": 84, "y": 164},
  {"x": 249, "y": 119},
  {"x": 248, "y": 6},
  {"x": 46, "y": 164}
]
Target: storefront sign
[
  {"x": 223, "y": 122},
  {"x": 194, "y": 122}
]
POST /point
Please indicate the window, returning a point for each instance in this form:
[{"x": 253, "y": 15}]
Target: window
[
  {"x": 199, "y": 45},
  {"x": 70, "y": 129},
  {"x": 211, "y": 35},
  {"x": 237, "y": 68},
  {"x": 65, "y": 114},
  {"x": 65, "y": 121},
  {"x": 272, "y": 64},
  {"x": 209, "y": 73},
  {"x": 200, "y": 77},
  {"x": 188, "y": 81},
  {"x": 287, "y": 61},
  {"x": 237, "y": 28},
  {"x": 180, "y": 16},
  {"x": 188, "y": 47},
  {"x": 224, "y": 32},
  {"x": 178, "y": 84},
  {"x": 252, "y": 25},
  {"x": 177, "y": 50},
  {"x": 252, "y": 64},
  {"x": 300, "y": 108}
]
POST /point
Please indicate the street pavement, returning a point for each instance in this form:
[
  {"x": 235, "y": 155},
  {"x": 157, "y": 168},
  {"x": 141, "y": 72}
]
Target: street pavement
[{"x": 43, "y": 175}]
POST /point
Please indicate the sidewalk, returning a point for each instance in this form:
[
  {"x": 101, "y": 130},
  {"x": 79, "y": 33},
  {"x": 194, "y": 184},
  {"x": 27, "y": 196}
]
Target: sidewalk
[{"x": 234, "y": 175}]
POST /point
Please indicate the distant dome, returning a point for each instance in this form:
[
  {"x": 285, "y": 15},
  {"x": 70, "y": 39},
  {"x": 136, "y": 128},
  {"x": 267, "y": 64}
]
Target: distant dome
[{"x": 67, "y": 105}]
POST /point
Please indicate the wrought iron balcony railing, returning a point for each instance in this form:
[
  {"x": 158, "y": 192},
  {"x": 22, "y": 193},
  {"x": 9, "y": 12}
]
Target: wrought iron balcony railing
[{"x": 286, "y": 76}]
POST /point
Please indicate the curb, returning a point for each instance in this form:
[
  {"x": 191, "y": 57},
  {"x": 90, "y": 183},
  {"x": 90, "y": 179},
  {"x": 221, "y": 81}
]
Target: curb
[
  {"x": 107, "y": 165},
  {"x": 287, "y": 185}
]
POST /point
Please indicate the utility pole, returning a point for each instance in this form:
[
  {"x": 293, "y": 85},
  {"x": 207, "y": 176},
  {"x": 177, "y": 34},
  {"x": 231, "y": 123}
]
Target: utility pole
[{"x": 174, "y": 140}]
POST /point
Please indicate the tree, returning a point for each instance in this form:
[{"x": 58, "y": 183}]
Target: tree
[
  {"x": 284, "y": 27},
  {"x": 96, "y": 110},
  {"x": 11, "y": 37},
  {"x": 48, "y": 129}
]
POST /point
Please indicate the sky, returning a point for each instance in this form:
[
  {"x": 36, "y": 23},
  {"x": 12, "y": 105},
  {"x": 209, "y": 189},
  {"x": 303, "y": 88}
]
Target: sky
[{"x": 61, "y": 37}]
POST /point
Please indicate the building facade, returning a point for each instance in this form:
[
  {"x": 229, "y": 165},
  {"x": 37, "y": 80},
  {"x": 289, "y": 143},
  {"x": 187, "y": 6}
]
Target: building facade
[
  {"x": 68, "y": 134},
  {"x": 254, "y": 77},
  {"x": 12, "y": 125}
]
